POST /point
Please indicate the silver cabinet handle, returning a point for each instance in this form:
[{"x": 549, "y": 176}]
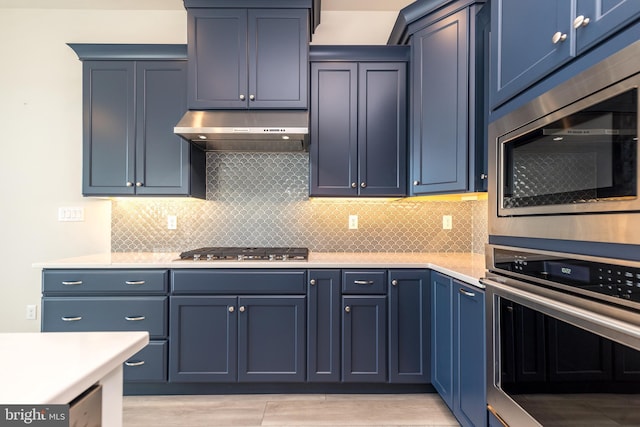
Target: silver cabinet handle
[
  {"x": 347, "y": 309},
  {"x": 139, "y": 184},
  {"x": 129, "y": 184},
  {"x": 363, "y": 282},
  {"x": 231, "y": 309},
  {"x": 134, "y": 318},
  {"x": 363, "y": 185},
  {"x": 354, "y": 185},
  {"x": 252, "y": 97},
  {"x": 416, "y": 182},
  {"x": 134, "y": 282},
  {"x": 72, "y": 283},
  {"x": 466, "y": 293},
  {"x": 581, "y": 21},
  {"x": 394, "y": 282},
  {"x": 242, "y": 97},
  {"x": 484, "y": 176},
  {"x": 71, "y": 318},
  {"x": 139, "y": 363},
  {"x": 312, "y": 282},
  {"x": 558, "y": 37},
  {"x": 242, "y": 309}
]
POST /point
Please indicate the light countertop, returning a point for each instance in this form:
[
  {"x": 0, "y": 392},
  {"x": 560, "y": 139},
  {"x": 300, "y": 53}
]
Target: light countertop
[
  {"x": 468, "y": 267},
  {"x": 54, "y": 368}
]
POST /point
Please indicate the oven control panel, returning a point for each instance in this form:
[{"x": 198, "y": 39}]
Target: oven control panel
[{"x": 587, "y": 276}]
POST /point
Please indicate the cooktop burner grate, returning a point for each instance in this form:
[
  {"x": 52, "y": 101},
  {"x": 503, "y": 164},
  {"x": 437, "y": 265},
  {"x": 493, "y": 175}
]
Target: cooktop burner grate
[{"x": 245, "y": 254}]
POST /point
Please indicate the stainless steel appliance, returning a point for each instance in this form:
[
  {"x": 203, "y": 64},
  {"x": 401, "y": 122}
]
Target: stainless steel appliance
[
  {"x": 569, "y": 157},
  {"x": 563, "y": 259},
  {"x": 563, "y": 335},
  {"x": 245, "y": 254}
]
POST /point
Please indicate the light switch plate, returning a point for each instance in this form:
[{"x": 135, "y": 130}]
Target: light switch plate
[{"x": 71, "y": 214}]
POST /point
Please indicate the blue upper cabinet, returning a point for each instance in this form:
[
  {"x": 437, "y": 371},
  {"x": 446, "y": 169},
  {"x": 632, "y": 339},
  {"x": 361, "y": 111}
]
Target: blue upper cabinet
[
  {"x": 358, "y": 121},
  {"x": 596, "y": 19},
  {"x": 247, "y": 58},
  {"x": 133, "y": 95},
  {"x": 447, "y": 146},
  {"x": 529, "y": 40}
]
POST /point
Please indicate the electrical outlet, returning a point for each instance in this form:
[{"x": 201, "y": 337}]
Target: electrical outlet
[
  {"x": 31, "y": 312},
  {"x": 172, "y": 222},
  {"x": 353, "y": 222},
  {"x": 447, "y": 222}
]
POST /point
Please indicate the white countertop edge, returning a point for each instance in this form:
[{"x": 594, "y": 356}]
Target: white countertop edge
[
  {"x": 467, "y": 267},
  {"x": 44, "y": 355}
]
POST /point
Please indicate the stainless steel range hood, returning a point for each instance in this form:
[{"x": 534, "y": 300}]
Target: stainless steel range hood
[{"x": 242, "y": 130}]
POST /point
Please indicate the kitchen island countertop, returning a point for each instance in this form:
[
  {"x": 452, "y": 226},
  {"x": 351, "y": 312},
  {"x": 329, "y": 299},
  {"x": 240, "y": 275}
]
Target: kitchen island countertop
[{"x": 468, "y": 267}]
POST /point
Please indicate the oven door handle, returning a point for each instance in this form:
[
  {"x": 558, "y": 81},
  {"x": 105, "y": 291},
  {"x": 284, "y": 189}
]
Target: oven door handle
[{"x": 608, "y": 326}]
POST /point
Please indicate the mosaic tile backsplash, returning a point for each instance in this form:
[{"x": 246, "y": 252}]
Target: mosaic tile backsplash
[{"x": 261, "y": 199}]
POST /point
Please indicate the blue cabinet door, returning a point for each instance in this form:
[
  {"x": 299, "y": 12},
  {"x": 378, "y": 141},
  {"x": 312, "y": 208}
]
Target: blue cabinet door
[
  {"x": 323, "y": 326},
  {"x": 247, "y": 58},
  {"x": 272, "y": 339},
  {"x": 278, "y": 58},
  {"x": 108, "y": 128},
  {"x": 358, "y": 129},
  {"x": 604, "y": 18},
  {"x": 217, "y": 51},
  {"x": 523, "y": 50},
  {"x": 203, "y": 343},
  {"x": 382, "y": 124},
  {"x": 470, "y": 400},
  {"x": 333, "y": 164},
  {"x": 364, "y": 339},
  {"x": 163, "y": 160},
  {"x": 442, "y": 336},
  {"x": 409, "y": 333},
  {"x": 440, "y": 116}
]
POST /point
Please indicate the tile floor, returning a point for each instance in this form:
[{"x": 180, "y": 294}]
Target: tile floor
[{"x": 288, "y": 410}]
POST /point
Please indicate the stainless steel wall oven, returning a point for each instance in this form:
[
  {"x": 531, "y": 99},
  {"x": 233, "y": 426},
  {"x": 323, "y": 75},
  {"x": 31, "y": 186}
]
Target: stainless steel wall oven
[{"x": 563, "y": 259}]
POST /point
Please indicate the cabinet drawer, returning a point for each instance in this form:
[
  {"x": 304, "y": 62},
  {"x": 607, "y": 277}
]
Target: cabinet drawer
[
  {"x": 364, "y": 282},
  {"x": 238, "y": 282},
  {"x": 149, "y": 364},
  {"x": 105, "y": 281},
  {"x": 81, "y": 314}
]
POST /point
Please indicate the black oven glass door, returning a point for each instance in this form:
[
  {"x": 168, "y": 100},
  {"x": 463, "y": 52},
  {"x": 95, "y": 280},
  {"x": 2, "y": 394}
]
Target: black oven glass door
[
  {"x": 562, "y": 375},
  {"x": 583, "y": 158}
]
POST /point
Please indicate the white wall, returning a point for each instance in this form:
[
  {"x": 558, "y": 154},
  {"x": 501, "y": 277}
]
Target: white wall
[
  {"x": 41, "y": 141},
  {"x": 41, "y": 125}
]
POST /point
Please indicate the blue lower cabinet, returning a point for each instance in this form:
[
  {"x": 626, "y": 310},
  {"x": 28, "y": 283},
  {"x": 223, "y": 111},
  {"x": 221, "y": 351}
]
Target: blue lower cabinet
[
  {"x": 409, "y": 326},
  {"x": 364, "y": 339},
  {"x": 442, "y": 336},
  {"x": 272, "y": 339},
  {"x": 458, "y": 367},
  {"x": 323, "y": 326},
  {"x": 229, "y": 339},
  {"x": 204, "y": 333},
  {"x": 149, "y": 364},
  {"x": 470, "y": 385}
]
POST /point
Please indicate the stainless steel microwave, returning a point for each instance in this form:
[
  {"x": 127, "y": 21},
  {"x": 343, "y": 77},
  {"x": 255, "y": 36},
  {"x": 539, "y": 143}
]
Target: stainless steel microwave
[{"x": 565, "y": 166}]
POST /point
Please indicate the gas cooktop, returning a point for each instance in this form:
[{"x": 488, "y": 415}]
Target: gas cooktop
[{"x": 245, "y": 254}]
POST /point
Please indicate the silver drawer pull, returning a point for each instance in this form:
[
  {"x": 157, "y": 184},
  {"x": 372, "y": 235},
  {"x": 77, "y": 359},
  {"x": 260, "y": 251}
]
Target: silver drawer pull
[
  {"x": 134, "y": 282},
  {"x": 139, "y": 363},
  {"x": 72, "y": 283},
  {"x": 134, "y": 318},
  {"x": 71, "y": 319},
  {"x": 363, "y": 282},
  {"x": 469, "y": 294}
]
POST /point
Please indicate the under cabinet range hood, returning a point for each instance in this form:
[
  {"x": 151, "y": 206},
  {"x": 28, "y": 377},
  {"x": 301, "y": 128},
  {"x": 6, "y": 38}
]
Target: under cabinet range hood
[{"x": 242, "y": 130}]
